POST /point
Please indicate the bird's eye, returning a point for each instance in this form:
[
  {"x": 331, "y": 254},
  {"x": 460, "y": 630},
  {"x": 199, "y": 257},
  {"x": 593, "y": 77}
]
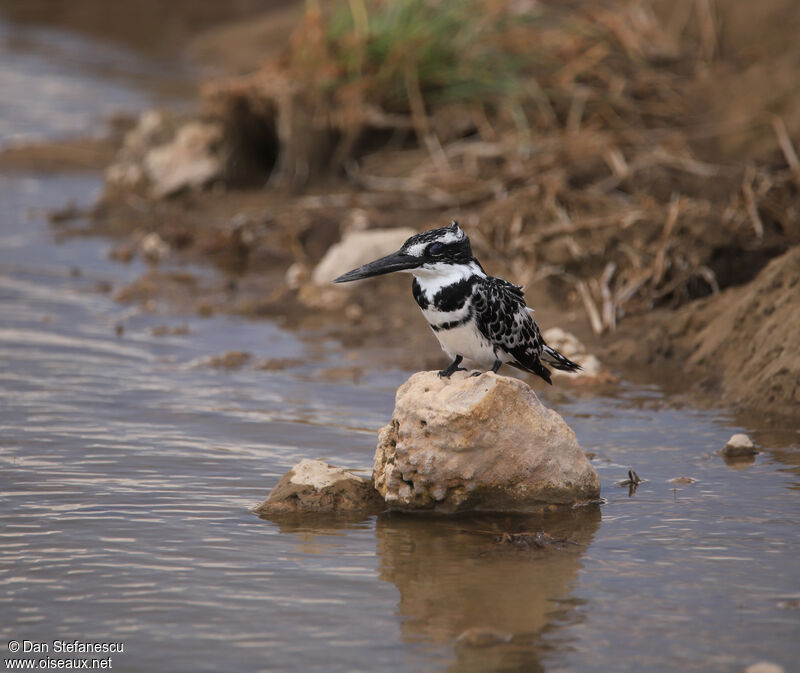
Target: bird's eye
[{"x": 435, "y": 249}]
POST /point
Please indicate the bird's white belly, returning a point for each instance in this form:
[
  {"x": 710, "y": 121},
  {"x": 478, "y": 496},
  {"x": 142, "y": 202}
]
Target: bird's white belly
[{"x": 467, "y": 341}]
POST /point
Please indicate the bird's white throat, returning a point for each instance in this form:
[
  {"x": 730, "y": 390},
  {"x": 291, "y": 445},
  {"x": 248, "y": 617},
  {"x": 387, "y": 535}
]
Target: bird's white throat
[{"x": 434, "y": 276}]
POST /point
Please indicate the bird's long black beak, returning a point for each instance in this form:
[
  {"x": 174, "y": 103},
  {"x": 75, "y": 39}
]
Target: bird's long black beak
[{"x": 397, "y": 261}]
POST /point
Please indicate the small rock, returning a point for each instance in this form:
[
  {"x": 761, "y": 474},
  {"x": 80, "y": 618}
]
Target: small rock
[
  {"x": 296, "y": 275},
  {"x": 190, "y": 160},
  {"x": 154, "y": 248},
  {"x": 478, "y": 443},
  {"x": 739, "y": 445},
  {"x": 228, "y": 360},
  {"x": 569, "y": 346},
  {"x": 764, "y": 667},
  {"x": 357, "y": 248},
  {"x": 167, "y": 330},
  {"x": 315, "y": 486},
  {"x": 353, "y": 313},
  {"x": 682, "y": 480},
  {"x": 153, "y": 127}
]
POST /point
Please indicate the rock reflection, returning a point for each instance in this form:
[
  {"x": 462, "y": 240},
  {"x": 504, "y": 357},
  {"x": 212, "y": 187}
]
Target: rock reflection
[
  {"x": 464, "y": 581},
  {"x": 312, "y": 531}
]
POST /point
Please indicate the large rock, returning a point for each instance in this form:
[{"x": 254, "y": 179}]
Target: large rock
[
  {"x": 483, "y": 443},
  {"x": 314, "y": 486},
  {"x": 357, "y": 248}
]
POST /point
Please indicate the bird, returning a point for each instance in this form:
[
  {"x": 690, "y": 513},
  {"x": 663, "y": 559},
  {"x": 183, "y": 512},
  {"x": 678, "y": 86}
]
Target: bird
[{"x": 476, "y": 317}]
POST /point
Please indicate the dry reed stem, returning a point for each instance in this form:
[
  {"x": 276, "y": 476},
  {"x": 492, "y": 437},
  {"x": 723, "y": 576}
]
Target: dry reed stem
[
  {"x": 609, "y": 308},
  {"x": 787, "y": 148},
  {"x": 591, "y": 308},
  {"x": 420, "y": 120},
  {"x": 660, "y": 265},
  {"x": 750, "y": 201},
  {"x": 708, "y": 28},
  {"x": 624, "y": 219}
]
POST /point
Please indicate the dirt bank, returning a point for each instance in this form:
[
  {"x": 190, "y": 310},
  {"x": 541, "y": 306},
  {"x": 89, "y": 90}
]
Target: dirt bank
[{"x": 741, "y": 346}]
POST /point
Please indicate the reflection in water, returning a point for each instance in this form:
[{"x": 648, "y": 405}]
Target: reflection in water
[{"x": 456, "y": 575}]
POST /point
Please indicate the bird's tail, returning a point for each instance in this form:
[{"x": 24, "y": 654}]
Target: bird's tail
[{"x": 552, "y": 357}]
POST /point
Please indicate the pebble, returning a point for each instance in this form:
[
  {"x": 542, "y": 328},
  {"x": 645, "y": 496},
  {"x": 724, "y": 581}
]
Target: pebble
[
  {"x": 764, "y": 667},
  {"x": 683, "y": 480}
]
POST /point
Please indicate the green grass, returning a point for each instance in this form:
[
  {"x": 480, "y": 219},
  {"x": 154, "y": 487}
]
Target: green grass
[{"x": 453, "y": 51}]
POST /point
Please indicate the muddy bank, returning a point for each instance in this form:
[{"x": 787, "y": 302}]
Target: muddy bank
[{"x": 627, "y": 209}]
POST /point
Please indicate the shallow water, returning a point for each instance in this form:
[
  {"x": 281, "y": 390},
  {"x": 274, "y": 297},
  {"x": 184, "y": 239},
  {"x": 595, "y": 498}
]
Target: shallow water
[{"x": 128, "y": 467}]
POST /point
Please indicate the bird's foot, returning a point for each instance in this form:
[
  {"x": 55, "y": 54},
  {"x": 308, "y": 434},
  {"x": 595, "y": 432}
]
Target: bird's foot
[
  {"x": 452, "y": 367},
  {"x": 497, "y": 364}
]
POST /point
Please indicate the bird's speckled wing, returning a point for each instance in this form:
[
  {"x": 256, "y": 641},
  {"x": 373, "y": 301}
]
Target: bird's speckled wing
[{"x": 504, "y": 320}]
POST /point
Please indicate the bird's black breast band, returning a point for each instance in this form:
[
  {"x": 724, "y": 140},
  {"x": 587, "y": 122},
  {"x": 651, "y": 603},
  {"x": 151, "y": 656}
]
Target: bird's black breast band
[{"x": 453, "y": 323}]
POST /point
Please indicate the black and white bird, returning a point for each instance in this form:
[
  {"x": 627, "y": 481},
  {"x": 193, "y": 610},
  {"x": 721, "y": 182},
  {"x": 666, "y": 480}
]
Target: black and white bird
[{"x": 475, "y": 317}]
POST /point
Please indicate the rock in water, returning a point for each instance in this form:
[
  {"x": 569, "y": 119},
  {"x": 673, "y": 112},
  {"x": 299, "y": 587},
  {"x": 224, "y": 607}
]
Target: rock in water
[
  {"x": 314, "y": 486},
  {"x": 739, "y": 445},
  {"x": 481, "y": 443}
]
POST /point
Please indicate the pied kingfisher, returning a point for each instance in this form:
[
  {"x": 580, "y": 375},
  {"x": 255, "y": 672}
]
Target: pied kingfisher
[{"x": 475, "y": 317}]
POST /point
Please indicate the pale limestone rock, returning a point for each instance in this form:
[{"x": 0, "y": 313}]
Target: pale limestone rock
[
  {"x": 739, "y": 445},
  {"x": 188, "y": 161},
  {"x": 154, "y": 248},
  {"x": 296, "y": 275},
  {"x": 153, "y": 128},
  {"x": 357, "y": 248},
  {"x": 569, "y": 346},
  {"x": 315, "y": 486},
  {"x": 480, "y": 443},
  {"x": 764, "y": 667}
]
